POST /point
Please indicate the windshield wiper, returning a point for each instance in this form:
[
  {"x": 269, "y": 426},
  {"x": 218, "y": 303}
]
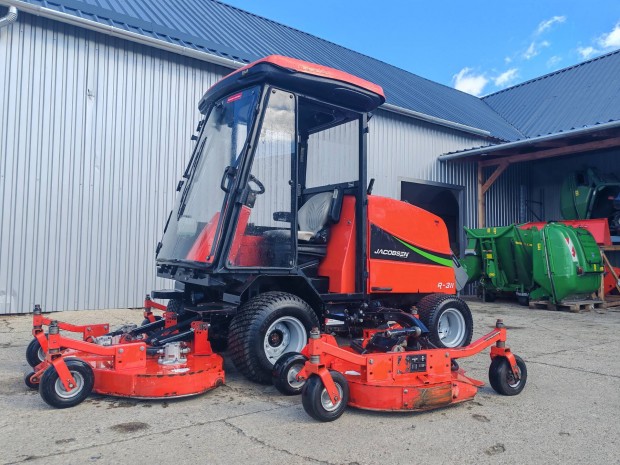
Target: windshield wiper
[{"x": 190, "y": 168}]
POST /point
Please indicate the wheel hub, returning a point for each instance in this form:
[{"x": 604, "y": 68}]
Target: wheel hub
[
  {"x": 327, "y": 403},
  {"x": 291, "y": 376},
  {"x": 451, "y": 327},
  {"x": 286, "y": 334},
  {"x": 275, "y": 338},
  {"x": 63, "y": 393}
]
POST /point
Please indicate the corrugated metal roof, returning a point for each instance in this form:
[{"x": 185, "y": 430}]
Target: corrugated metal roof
[
  {"x": 583, "y": 95},
  {"x": 222, "y": 30}
]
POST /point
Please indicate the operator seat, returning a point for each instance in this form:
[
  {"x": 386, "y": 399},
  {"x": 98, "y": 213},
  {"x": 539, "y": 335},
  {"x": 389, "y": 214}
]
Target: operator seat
[
  {"x": 313, "y": 216},
  {"x": 313, "y": 219}
]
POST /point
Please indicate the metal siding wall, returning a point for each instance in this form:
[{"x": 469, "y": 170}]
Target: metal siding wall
[
  {"x": 401, "y": 147},
  {"x": 502, "y": 199},
  {"x": 94, "y": 134}
]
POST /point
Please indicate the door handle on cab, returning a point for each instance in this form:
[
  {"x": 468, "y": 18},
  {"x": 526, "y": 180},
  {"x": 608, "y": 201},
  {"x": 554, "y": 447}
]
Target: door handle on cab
[{"x": 229, "y": 172}]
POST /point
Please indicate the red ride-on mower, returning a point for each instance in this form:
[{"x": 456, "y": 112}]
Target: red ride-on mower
[
  {"x": 162, "y": 358},
  {"x": 392, "y": 369},
  {"x": 275, "y": 231}
]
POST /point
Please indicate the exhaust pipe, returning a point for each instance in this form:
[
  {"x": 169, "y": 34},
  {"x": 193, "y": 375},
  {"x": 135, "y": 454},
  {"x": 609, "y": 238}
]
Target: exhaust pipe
[{"x": 10, "y": 17}]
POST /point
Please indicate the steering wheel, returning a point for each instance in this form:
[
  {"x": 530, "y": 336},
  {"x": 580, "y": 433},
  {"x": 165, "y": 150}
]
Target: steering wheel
[{"x": 260, "y": 185}]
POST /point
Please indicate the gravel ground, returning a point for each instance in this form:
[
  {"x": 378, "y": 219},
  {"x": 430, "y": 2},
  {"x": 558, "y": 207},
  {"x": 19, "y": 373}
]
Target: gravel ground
[{"x": 568, "y": 412}]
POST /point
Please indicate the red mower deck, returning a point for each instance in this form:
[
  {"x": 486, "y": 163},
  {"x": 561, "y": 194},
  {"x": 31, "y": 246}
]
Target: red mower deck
[
  {"x": 123, "y": 363},
  {"x": 330, "y": 377}
]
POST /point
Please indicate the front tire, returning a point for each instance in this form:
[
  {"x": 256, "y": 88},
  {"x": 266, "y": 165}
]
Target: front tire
[
  {"x": 265, "y": 328},
  {"x": 448, "y": 320},
  {"x": 316, "y": 401},
  {"x": 502, "y": 379},
  {"x": 54, "y": 393}
]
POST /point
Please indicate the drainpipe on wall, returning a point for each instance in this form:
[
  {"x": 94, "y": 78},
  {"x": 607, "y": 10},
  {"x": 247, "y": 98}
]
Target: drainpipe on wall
[{"x": 10, "y": 17}]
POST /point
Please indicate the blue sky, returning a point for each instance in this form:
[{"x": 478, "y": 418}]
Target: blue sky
[{"x": 477, "y": 46}]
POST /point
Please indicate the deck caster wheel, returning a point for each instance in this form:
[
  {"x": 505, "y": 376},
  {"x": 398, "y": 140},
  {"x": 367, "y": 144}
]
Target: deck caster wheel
[
  {"x": 316, "y": 401},
  {"x": 34, "y": 353},
  {"x": 29, "y": 383},
  {"x": 502, "y": 379},
  {"x": 284, "y": 372},
  {"x": 53, "y": 391}
]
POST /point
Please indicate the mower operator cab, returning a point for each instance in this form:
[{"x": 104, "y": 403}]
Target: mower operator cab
[{"x": 281, "y": 145}]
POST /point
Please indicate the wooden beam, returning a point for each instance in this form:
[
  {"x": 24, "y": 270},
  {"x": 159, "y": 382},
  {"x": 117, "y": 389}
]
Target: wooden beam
[
  {"x": 555, "y": 152},
  {"x": 496, "y": 174},
  {"x": 481, "y": 200}
]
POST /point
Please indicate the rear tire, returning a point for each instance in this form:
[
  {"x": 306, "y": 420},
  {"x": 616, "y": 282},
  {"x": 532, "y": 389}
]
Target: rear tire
[
  {"x": 34, "y": 353},
  {"x": 53, "y": 392},
  {"x": 502, "y": 379},
  {"x": 316, "y": 401},
  {"x": 448, "y": 320},
  {"x": 284, "y": 372},
  {"x": 265, "y": 328},
  {"x": 176, "y": 306}
]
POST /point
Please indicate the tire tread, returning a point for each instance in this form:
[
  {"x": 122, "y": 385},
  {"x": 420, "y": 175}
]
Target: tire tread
[
  {"x": 246, "y": 322},
  {"x": 429, "y": 305}
]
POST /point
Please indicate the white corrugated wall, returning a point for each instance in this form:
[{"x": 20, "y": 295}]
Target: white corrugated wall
[
  {"x": 399, "y": 149},
  {"x": 94, "y": 135}
]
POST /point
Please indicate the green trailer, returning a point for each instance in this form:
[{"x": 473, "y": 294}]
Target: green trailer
[{"x": 556, "y": 262}]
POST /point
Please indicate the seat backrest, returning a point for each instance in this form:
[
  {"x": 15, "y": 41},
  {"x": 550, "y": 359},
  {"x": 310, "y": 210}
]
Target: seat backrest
[{"x": 314, "y": 214}]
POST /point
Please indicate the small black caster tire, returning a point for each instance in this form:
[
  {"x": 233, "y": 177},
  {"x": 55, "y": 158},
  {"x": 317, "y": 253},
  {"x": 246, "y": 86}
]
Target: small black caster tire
[
  {"x": 284, "y": 371},
  {"x": 502, "y": 379},
  {"x": 53, "y": 392},
  {"x": 30, "y": 384},
  {"x": 317, "y": 403},
  {"x": 34, "y": 353}
]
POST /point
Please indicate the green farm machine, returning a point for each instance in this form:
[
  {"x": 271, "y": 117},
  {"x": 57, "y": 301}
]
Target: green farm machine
[{"x": 555, "y": 263}]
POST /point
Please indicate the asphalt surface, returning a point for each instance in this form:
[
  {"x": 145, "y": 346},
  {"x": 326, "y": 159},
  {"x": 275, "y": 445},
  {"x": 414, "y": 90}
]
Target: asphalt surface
[{"x": 568, "y": 412}]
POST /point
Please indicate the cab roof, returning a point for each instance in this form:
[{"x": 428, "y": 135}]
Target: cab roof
[{"x": 302, "y": 77}]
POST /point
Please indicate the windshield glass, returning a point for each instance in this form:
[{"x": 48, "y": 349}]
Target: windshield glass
[{"x": 192, "y": 230}]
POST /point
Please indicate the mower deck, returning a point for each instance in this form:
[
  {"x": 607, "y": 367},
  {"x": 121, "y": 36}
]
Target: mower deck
[
  {"x": 124, "y": 363},
  {"x": 330, "y": 377}
]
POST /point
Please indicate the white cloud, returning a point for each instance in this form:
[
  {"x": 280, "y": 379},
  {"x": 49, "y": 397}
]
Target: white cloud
[
  {"x": 507, "y": 60},
  {"x": 587, "y": 52},
  {"x": 534, "y": 49},
  {"x": 553, "y": 61},
  {"x": 468, "y": 81},
  {"x": 506, "y": 78},
  {"x": 544, "y": 25},
  {"x": 611, "y": 39}
]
